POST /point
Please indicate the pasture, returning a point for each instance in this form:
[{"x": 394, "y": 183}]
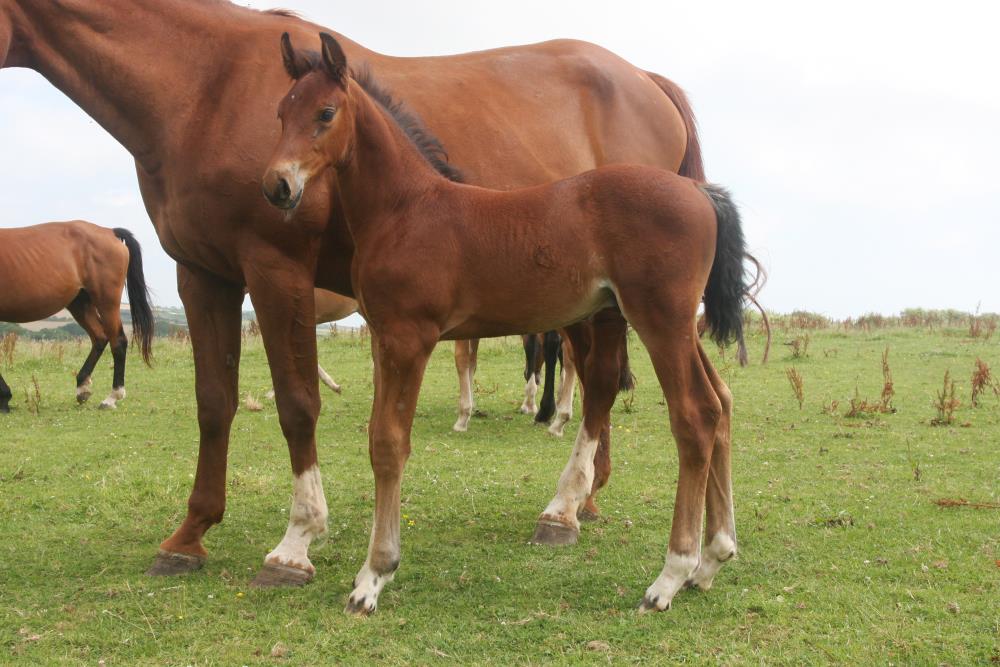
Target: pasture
[{"x": 854, "y": 545}]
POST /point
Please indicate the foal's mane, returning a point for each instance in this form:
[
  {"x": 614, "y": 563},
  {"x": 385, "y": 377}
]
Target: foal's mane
[{"x": 429, "y": 146}]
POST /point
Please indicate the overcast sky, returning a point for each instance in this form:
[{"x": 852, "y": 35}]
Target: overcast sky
[{"x": 860, "y": 138}]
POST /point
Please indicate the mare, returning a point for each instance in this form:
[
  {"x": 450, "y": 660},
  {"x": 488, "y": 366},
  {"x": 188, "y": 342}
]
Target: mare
[
  {"x": 83, "y": 268},
  {"x": 436, "y": 259},
  {"x": 189, "y": 88}
]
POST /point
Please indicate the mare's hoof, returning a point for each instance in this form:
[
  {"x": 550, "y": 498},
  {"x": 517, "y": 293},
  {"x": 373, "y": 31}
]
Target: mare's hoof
[
  {"x": 169, "y": 564},
  {"x": 280, "y": 576},
  {"x": 651, "y": 604},
  {"x": 107, "y": 406},
  {"x": 585, "y": 514},
  {"x": 82, "y": 398},
  {"x": 554, "y": 534},
  {"x": 359, "y": 607},
  {"x": 4, "y": 410}
]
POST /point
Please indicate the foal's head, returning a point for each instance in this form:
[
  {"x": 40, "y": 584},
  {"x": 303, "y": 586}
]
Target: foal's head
[{"x": 317, "y": 121}]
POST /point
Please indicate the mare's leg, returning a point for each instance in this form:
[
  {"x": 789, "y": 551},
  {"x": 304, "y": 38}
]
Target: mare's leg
[
  {"x": 327, "y": 380},
  {"x": 559, "y": 524},
  {"x": 83, "y": 311},
  {"x": 285, "y": 306},
  {"x": 668, "y": 331},
  {"x": 465, "y": 364},
  {"x": 5, "y": 396},
  {"x": 401, "y": 357},
  {"x": 564, "y": 403},
  {"x": 531, "y": 362},
  {"x": 213, "y": 315},
  {"x": 720, "y": 523}
]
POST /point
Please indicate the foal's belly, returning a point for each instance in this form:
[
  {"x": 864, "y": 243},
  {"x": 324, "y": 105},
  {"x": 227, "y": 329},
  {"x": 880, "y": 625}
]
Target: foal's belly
[{"x": 509, "y": 313}]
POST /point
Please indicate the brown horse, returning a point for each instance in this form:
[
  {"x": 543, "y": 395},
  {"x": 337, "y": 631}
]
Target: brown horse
[
  {"x": 435, "y": 260},
  {"x": 331, "y": 307},
  {"x": 83, "y": 268},
  {"x": 148, "y": 71}
]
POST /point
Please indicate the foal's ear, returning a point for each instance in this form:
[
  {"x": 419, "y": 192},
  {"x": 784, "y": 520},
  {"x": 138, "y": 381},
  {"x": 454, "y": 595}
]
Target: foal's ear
[
  {"x": 334, "y": 60},
  {"x": 295, "y": 65}
]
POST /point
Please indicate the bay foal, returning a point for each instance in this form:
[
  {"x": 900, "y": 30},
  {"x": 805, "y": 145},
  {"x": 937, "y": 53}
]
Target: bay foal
[
  {"x": 83, "y": 268},
  {"x": 436, "y": 259}
]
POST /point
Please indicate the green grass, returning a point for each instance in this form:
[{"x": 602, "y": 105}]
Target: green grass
[{"x": 844, "y": 556}]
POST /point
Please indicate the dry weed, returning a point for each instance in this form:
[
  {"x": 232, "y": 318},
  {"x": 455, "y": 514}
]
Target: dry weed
[
  {"x": 795, "y": 379},
  {"x": 946, "y": 403}
]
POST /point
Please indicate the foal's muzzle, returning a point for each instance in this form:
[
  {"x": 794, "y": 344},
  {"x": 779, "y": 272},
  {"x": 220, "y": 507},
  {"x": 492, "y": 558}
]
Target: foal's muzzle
[{"x": 281, "y": 190}]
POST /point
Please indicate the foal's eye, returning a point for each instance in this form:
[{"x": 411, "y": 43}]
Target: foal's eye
[{"x": 327, "y": 114}]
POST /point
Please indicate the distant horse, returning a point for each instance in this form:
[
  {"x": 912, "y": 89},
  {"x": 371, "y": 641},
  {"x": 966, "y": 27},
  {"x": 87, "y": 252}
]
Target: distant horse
[
  {"x": 544, "y": 351},
  {"x": 331, "y": 307},
  {"x": 83, "y": 268},
  {"x": 436, "y": 259}
]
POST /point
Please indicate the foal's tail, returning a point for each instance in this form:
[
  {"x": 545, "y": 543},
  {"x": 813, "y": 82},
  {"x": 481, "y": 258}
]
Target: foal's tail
[
  {"x": 728, "y": 286},
  {"x": 138, "y": 296}
]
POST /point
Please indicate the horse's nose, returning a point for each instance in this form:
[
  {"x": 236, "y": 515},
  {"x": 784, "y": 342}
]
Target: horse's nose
[{"x": 278, "y": 190}]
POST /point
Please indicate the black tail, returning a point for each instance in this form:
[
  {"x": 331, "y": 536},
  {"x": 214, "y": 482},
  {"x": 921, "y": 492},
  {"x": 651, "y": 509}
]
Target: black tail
[
  {"x": 138, "y": 296},
  {"x": 547, "y": 407},
  {"x": 728, "y": 286}
]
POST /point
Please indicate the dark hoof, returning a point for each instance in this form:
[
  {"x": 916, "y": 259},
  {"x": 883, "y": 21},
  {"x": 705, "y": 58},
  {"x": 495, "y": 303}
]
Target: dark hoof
[
  {"x": 554, "y": 534},
  {"x": 82, "y": 398},
  {"x": 4, "y": 410},
  {"x": 169, "y": 564},
  {"x": 358, "y": 607},
  {"x": 587, "y": 515},
  {"x": 280, "y": 576},
  {"x": 648, "y": 605}
]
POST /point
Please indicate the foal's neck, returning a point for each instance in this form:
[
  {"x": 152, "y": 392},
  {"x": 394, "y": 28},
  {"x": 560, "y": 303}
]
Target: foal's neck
[{"x": 384, "y": 177}]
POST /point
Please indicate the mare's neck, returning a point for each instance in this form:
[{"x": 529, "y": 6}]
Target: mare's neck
[
  {"x": 137, "y": 67},
  {"x": 384, "y": 178}
]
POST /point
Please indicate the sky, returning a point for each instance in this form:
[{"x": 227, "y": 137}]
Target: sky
[{"x": 860, "y": 138}]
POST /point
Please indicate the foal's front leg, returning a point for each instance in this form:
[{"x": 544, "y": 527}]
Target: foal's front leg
[{"x": 400, "y": 360}]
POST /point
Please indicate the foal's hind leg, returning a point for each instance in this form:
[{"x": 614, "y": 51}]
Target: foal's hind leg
[
  {"x": 5, "y": 396},
  {"x": 695, "y": 415},
  {"x": 559, "y": 523},
  {"x": 720, "y": 529},
  {"x": 85, "y": 313}
]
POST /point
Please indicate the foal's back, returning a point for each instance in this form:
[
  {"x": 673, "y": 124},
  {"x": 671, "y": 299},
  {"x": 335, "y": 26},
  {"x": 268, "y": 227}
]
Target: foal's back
[{"x": 44, "y": 267}]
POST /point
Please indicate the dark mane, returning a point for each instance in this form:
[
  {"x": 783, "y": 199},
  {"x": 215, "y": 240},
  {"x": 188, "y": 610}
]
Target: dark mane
[{"x": 428, "y": 145}]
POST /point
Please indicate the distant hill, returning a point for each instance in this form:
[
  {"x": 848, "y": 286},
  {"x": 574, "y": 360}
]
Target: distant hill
[{"x": 61, "y": 326}]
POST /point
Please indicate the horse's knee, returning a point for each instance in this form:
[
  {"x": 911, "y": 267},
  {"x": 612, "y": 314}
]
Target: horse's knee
[
  {"x": 297, "y": 415},
  {"x": 215, "y": 413},
  {"x": 694, "y": 426},
  {"x": 209, "y": 508}
]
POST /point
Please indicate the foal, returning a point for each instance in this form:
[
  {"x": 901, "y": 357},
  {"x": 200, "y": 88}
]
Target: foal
[
  {"x": 436, "y": 259},
  {"x": 83, "y": 268}
]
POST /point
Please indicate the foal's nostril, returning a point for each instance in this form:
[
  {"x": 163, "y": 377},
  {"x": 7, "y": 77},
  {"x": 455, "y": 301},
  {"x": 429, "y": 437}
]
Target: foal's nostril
[{"x": 284, "y": 191}]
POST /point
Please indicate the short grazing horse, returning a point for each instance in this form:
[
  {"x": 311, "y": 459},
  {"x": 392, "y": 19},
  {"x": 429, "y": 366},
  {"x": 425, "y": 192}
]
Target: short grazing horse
[
  {"x": 436, "y": 259},
  {"x": 83, "y": 268},
  {"x": 331, "y": 307}
]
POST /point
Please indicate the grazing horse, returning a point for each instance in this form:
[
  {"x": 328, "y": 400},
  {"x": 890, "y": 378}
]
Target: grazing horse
[
  {"x": 189, "y": 89},
  {"x": 437, "y": 259},
  {"x": 331, "y": 307},
  {"x": 83, "y": 268}
]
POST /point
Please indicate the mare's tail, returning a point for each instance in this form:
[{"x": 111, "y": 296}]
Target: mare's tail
[
  {"x": 728, "y": 286},
  {"x": 550, "y": 348},
  {"x": 692, "y": 166},
  {"x": 138, "y": 296}
]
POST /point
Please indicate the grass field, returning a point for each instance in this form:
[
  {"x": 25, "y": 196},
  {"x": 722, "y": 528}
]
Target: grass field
[{"x": 845, "y": 556}]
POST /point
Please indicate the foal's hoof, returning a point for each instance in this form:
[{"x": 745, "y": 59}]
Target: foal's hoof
[
  {"x": 281, "y": 576},
  {"x": 107, "y": 405},
  {"x": 4, "y": 410},
  {"x": 169, "y": 564},
  {"x": 649, "y": 604},
  {"x": 82, "y": 397},
  {"x": 587, "y": 515},
  {"x": 554, "y": 534}
]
